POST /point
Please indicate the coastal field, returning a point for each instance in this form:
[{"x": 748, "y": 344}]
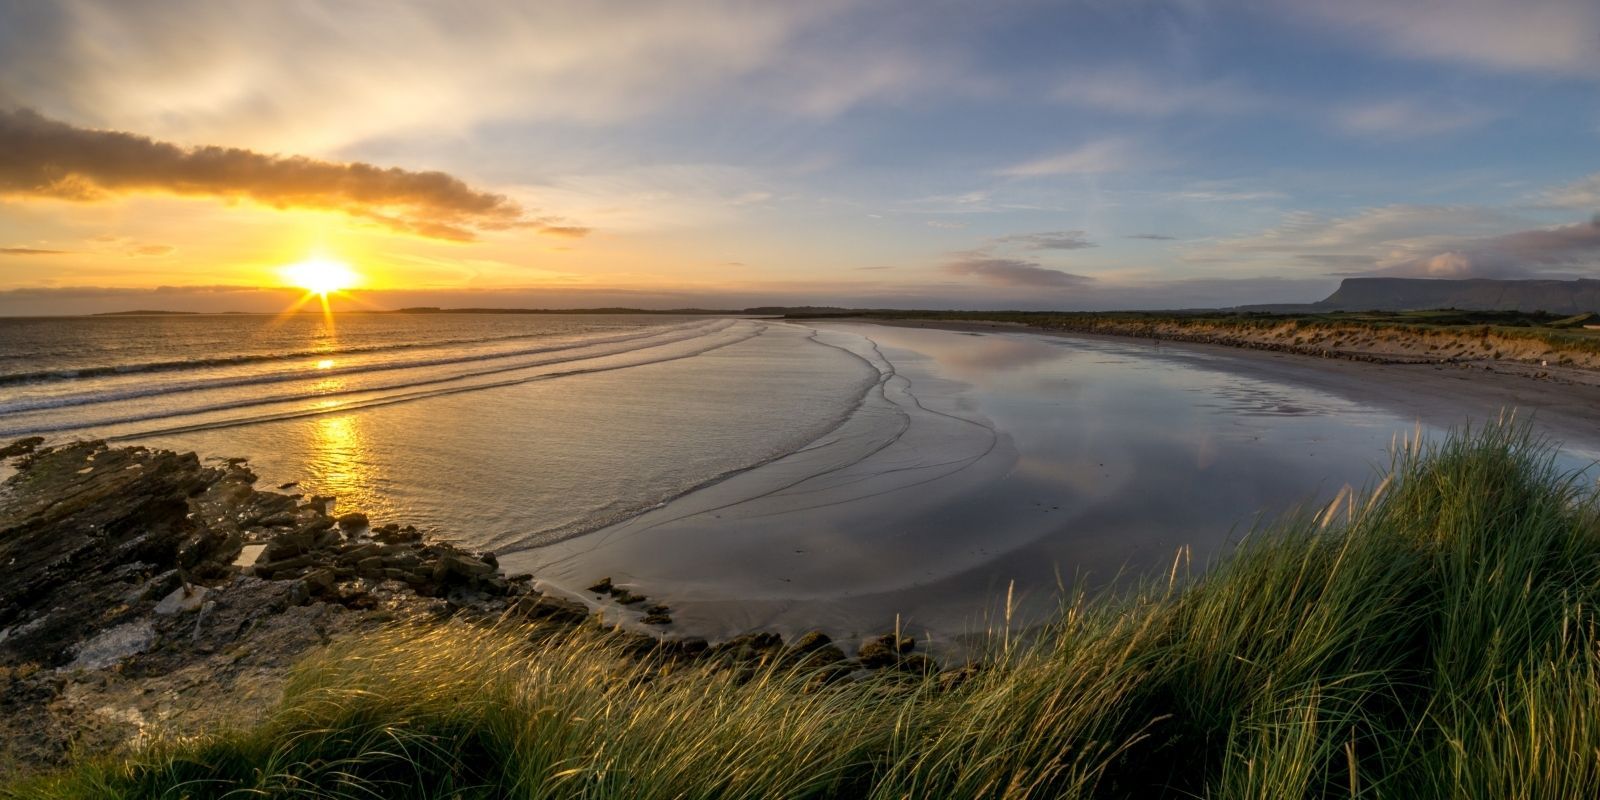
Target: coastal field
[
  {"x": 1430, "y": 636},
  {"x": 1556, "y": 344}
]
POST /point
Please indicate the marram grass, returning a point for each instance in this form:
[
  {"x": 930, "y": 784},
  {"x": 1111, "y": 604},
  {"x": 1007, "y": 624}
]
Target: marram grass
[{"x": 1433, "y": 637}]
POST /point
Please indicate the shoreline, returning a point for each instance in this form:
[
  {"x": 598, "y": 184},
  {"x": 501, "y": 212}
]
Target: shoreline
[
  {"x": 149, "y": 594},
  {"x": 1436, "y": 393},
  {"x": 188, "y": 638}
]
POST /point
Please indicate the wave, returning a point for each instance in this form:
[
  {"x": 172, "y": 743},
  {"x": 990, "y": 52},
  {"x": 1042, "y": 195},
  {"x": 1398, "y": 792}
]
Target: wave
[
  {"x": 691, "y": 334},
  {"x": 680, "y": 333},
  {"x": 178, "y": 365},
  {"x": 435, "y": 392}
]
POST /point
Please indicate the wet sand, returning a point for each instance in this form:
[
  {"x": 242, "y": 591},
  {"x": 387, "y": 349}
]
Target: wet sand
[{"x": 995, "y": 458}]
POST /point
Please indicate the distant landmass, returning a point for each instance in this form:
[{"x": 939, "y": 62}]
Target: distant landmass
[
  {"x": 1476, "y": 294},
  {"x": 140, "y": 313}
]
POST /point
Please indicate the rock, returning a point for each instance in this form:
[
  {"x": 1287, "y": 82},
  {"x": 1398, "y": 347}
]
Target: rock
[
  {"x": 288, "y": 484},
  {"x": 656, "y": 608},
  {"x": 322, "y": 504},
  {"x": 114, "y": 644},
  {"x": 320, "y": 581},
  {"x": 812, "y": 640},
  {"x": 184, "y": 598},
  {"x": 456, "y": 566},
  {"x": 21, "y": 447},
  {"x": 885, "y": 650},
  {"x": 551, "y": 609},
  {"x": 394, "y": 534},
  {"x": 627, "y": 598},
  {"x": 353, "y": 520},
  {"x": 749, "y": 647},
  {"x": 813, "y": 650},
  {"x": 65, "y": 538},
  {"x": 272, "y": 568},
  {"x": 692, "y": 647},
  {"x": 249, "y": 555},
  {"x": 161, "y": 585},
  {"x": 603, "y": 586},
  {"x": 656, "y": 619}
]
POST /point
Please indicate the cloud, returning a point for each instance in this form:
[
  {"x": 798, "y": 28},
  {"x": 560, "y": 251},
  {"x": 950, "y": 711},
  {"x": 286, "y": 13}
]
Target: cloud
[
  {"x": 1523, "y": 253},
  {"x": 1406, "y": 119},
  {"x": 1127, "y": 90},
  {"x": 314, "y": 76},
  {"x": 152, "y": 250},
  {"x": 1582, "y": 193},
  {"x": 1048, "y": 240},
  {"x": 1371, "y": 233},
  {"x": 1101, "y": 156},
  {"x": 1544, "y": 36},
  {"x": 1015, "y": 272},
  {"x": 43, "y": 158},
  {"x": 1154, "y": 237},
  {"x": 29, "y": 251},
  {"x": 1429, "y": 241}
]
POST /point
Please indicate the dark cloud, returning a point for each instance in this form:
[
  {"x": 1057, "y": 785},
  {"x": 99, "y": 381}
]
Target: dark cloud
[
  {"x": 1047, "y": 240},
  {"x": 29, "y": 251},
  {"x": 41, "y": 157},
  {"x": 1015, "y": 272},
  {"x": 1154, "y": 237},
  {"x": 1541, "y": 251}
]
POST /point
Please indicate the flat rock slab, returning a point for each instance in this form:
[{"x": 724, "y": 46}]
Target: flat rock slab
[{"x": 114, "y": 644}]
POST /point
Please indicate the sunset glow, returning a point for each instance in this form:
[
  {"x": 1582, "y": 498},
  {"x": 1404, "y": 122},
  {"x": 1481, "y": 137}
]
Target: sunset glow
[{"x": 321, "y": 276}]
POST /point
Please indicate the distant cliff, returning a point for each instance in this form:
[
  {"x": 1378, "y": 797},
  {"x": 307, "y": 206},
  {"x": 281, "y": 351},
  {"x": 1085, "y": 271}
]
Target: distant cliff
[{"x": 1411, "y": 294}]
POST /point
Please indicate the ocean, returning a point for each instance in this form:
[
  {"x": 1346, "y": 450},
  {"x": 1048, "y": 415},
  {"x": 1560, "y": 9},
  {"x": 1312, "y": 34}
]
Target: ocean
[{"x": 755, "y": 473}]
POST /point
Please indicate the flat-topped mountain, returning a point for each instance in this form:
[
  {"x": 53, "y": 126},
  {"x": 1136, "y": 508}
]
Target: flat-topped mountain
[{"x": 1410, "y": 294}]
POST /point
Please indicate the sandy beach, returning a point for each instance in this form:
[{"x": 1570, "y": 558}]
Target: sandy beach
[{"x": 994, "y": 459}]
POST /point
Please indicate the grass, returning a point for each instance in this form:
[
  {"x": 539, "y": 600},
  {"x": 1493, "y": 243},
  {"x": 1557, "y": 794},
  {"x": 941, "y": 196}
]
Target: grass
[
  {"x": 1432, "y": 637},
  {"x": 1560, "y": 334}
]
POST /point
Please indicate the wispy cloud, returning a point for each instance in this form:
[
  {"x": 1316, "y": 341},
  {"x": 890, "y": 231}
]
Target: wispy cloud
[
  {"x": 1047, "y": 240},
  {"x": 1407, "y": 119},
  {"x": 1429, "y": 241},
  {"x": 319, "y": 75},
  {"x": 1015, "y": 272},
  {"x": 29, "y": 251},
  {"x": 1551, "y": 36},
  {"x": 1100, "y": 156},
  {"x": 1128, "y": 90},
  {"x": 1582, "y": 193},
  {"x": 1154, "y": 237},
  {"x": 44, "y": 158},
  {"x": 1523, "y": 253}
]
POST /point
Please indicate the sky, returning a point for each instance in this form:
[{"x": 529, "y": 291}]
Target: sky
[{"x": 1088, "y": 154}]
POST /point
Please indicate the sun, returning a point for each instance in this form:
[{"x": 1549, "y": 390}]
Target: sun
[{"x": 321, "y": 276}]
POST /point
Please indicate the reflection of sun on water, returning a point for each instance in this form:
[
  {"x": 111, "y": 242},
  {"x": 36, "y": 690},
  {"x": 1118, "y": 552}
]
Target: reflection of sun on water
[
  {"x": 339, "y": 460},
  {"x": 326, "y": 363}
]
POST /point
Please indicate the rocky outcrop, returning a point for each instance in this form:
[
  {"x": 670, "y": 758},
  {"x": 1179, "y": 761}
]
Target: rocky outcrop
[{"x": 144, "y": 589}]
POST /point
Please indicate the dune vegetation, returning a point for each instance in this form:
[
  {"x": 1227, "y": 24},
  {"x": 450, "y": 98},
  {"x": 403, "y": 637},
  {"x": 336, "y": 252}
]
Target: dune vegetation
[
  {"x": 1444, "y": 336},
  {"x": 1433, "y": 636}
]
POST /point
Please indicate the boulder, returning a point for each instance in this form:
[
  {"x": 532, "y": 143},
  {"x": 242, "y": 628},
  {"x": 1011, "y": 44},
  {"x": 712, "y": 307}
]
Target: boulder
[{"x": 885, "y": 650}]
